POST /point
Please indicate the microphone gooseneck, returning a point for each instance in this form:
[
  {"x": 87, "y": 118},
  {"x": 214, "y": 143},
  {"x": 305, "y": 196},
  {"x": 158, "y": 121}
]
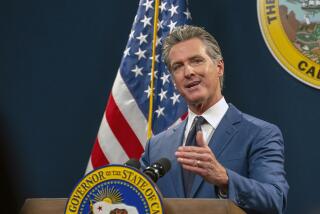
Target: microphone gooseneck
[{"x": 133, "y": 163}]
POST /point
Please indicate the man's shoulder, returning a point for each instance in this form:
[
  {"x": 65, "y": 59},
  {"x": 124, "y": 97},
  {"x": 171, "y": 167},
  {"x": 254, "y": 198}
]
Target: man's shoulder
[{"x": 253, "y": 122}]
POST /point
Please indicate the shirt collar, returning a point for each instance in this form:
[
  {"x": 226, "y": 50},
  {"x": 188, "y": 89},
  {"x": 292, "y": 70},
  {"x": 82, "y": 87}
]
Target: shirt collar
[{"x": 213, "y": 115}]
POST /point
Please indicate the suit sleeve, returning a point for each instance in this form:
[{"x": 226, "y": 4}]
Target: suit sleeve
[{"x": 265, "y": 189}]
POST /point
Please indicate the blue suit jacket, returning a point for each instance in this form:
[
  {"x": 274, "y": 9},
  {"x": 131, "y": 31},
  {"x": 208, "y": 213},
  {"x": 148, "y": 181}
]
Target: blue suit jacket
[{"x": 250, "y": 149}]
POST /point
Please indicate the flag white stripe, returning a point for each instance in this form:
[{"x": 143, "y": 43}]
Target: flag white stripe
[
  {"x": 109, "y": 144},
  {"x": 129, "y": 109}
]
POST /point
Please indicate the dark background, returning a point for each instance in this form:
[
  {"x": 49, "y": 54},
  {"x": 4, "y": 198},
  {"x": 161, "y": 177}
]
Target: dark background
[{"x": 58, "y": 61}]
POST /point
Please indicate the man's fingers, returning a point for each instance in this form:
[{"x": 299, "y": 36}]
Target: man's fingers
[
  {"x": 193, "y": 156},
  {"x": 198, "y": 170},
  {"x": 186, "y": 161},
  {"x": 197, "y": 167},
  {"x": 196, "y": 149}
]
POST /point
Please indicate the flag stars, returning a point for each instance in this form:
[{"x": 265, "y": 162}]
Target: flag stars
[
  {"x": 148, "y": 5},
  {"x": 165, "y": 78},
  {"x": 159, "y": 111},
  {"x": 163, "y": 6},
  {"x": 188, "y": 14},
  {"x": 126, "y": 52},
  {"x": 155, "y": 74},
  {"x": 137, "y": 71},
  {"x": 159, "y": 42},
  {"x": 157, "y": 58},
  {"x": 173, "y": 9},
  {"x": 162, "y": 94},
  {"x": 146, "y": 21},
  {"x": 142, "y": 38},
  {"x": 160, "y": 24},
  {"x": 148, "y": 91},
  {"x": 172, "y": 25},
  {"x": 140, "y": 53},
  {"x": 175, "y": 98},
  {"x": 131, "y": 35}
]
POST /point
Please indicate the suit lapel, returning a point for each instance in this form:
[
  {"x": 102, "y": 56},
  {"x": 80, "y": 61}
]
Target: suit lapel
[
  {"x": 176, "y": 170},
  {"x": 220, "y": 139}
]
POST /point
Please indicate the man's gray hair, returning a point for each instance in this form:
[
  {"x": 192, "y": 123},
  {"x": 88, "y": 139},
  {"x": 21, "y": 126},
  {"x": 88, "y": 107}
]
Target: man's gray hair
[{"x": 186, "y": 32}]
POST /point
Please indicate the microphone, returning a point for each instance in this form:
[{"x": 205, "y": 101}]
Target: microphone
[
  {"x": 158, "y": 169},
  {"x": 134, "y": 163}
]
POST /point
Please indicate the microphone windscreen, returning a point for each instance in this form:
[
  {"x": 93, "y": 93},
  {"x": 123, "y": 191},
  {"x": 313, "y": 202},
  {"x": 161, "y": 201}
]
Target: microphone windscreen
[
  {"x": 165, "y": 163},
  {"x": 133, "y": 163}
]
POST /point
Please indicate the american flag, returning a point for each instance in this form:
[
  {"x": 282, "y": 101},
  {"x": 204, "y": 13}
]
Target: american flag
[{"x": 123, "y": 130}]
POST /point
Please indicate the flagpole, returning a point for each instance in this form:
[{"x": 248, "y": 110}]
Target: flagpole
[{"x": 154, "y": 42}]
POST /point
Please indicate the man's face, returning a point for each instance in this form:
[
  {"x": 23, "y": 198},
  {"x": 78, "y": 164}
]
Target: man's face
[{"x": 196, "y": 76}]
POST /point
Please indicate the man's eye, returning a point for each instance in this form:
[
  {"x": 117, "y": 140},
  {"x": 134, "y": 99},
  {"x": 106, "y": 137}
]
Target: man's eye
[
  {"x": 197, "y": 61},
  {"x": 175, "y": 67}
]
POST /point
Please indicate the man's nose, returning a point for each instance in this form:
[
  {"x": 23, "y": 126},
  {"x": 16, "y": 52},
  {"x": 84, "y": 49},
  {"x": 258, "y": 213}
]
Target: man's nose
[{"x": 188, "y": 70}]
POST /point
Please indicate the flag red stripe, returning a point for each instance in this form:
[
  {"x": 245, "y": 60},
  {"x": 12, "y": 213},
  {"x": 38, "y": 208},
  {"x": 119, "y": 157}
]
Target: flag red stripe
[
  {"x": 98, "y": 158},
  {"x": 122, "y": 131}
]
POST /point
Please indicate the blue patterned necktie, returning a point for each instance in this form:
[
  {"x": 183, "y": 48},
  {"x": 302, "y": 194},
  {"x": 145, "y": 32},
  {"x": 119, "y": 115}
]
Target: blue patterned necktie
[{"x": 188, "y": 176}]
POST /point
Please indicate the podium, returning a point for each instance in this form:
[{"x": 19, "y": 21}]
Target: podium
[{"x": 171, "y": 206}]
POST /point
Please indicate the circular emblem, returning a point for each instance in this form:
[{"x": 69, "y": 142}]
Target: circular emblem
[
  {"x": 115, "y": 189},
  {"x": 291, "y": 29}
]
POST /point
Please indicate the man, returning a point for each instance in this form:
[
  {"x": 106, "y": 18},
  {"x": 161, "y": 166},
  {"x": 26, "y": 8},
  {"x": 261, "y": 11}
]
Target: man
[{"x": 231, "y": 154}]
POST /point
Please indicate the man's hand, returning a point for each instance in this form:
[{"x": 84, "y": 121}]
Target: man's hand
[{"x": 201, "y": 160}]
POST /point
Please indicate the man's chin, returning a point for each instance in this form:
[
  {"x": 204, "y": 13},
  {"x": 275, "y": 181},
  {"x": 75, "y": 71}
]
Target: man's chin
[{"x": 195, "y": 101}]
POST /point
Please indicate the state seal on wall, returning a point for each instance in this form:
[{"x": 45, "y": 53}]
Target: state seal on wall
[
  {"x": 115, "y": 189},
  {"x": 291, "y": 29}
]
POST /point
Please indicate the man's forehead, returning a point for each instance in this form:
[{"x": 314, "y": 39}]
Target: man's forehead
[
  {"x": 195, "y": 41},
  {"x": 186, "y": 50}
]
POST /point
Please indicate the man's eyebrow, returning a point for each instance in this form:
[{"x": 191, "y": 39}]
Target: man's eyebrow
[
  {"x": 176, "y": 62},
  {"x": 179, "y": 62},
  {"x": 195, "y": 56},
  {"x": 189, "y": 58}
]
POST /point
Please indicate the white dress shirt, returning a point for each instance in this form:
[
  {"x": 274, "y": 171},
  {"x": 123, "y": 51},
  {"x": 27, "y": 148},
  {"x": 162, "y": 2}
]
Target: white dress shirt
[{"x": 213, "y": 117}]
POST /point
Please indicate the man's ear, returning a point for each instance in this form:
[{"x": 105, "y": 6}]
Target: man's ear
[{"x": 220, "y": 67}]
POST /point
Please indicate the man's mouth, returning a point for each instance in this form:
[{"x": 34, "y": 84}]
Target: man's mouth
[{"x": 193, "y": 84}]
